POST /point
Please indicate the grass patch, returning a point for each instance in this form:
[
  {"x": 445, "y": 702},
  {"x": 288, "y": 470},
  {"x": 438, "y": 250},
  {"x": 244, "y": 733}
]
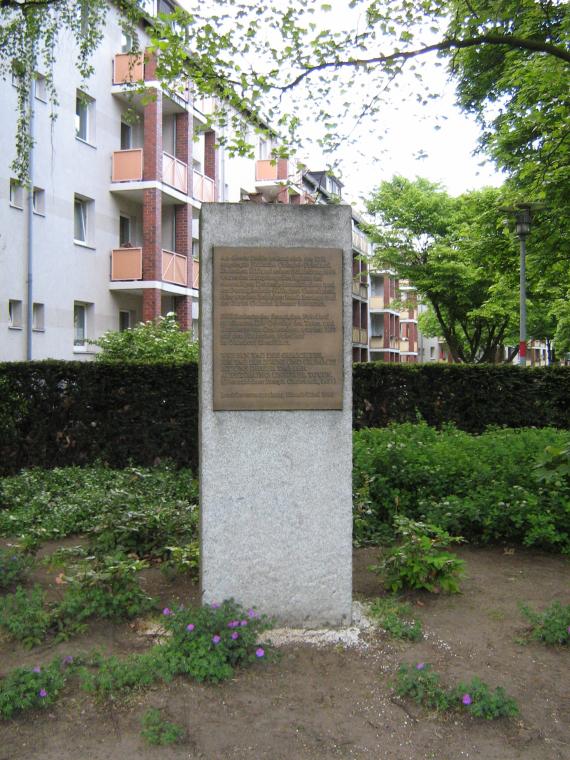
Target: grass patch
[{"x": 396, "y": 618}]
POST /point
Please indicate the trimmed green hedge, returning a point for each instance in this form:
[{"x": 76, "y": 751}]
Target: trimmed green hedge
[
  {"x": 473, "y": 397},
  {"x": 58, "y": 413}
]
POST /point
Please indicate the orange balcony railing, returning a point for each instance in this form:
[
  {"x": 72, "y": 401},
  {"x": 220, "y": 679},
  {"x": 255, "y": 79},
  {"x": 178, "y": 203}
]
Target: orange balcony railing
[
  {"x": 127, "y": 165},
  {"x": 271, "y": 170},
  {"x": 203, "y": 188},
  {"x": 174, "y": 268},
  {"x": 174, "y": 172},
  {"x": 377, "y": 341},
  {"x": 195, "y": 273},
  {"x": 363, "y": 335},
  {"x": 126, "y": 264},
  {"x": 128, "y": 68}
]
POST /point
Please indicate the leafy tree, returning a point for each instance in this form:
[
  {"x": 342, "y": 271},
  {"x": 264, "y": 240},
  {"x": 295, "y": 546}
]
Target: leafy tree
[
  {"x": 456, "y": 252},
  {"x": 161, "y": 341}
]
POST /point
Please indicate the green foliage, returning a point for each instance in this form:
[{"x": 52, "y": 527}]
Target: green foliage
[
  {"x": 424, "y": 686},
  {"x": 551, "y": 626},
  {"x": 131, "y": 510},
  {"x": 476, "y": 486},
  {"x": 26, "y": 688},
  {"x": 419, "y": 562},
  {"x": 394, "y": 617},
  {"x": 206, "y": 644},
  {"x": 25, "y": 617},
  {"x": 155, "y": 342},
  {"x": 14, "y": 567},
  {"x": 182, "y": 559},
  {"x": 158, "y": 731},
  {"x": 554, "y": 465},
  {"x": 77, "y": 413}
]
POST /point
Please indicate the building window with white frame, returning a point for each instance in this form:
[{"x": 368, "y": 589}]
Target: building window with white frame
[
  {"x": 15, "y": 314},
  {"x": 126, "y": 136},
  {"x": 38, "y": 317},
  {"x": 125, "y": 231},
  {"x": 82, "y": 219},
  {"x": 40, "y": 87},
  {"x": 16, "y": 194},
  {"x": 84, "y": 117},
  {"x": 124, "y": 320},
  {"x": 39, "y": 201},
  {"x": 80, "y": 323}
]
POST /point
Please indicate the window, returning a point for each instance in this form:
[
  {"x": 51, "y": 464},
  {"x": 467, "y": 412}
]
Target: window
[
  {"x": 16, "y": 194},
  {"x": 84, "y": 117},
  {"x": 195, "y": 249},
  {"x": 82, "y": 218},
  {"x": 15, "y": 314},
  {"x": 39, "y": 200},
  {"x": 38, "y": 317},
  {"x": 40, "y": 89},
  {"x": 126, "y": 43},
  {"x": 124, "y": 230},
  {"x": 124, "y": 320},
  {"x": 126, "y": 136},
  {"x": 431, "y": 352},
  {"x": 80, "y": 312}
]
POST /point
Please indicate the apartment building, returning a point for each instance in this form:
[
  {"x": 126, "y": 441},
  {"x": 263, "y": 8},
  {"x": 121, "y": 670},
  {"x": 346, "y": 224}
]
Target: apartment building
[{"x": 110, "y": 237}]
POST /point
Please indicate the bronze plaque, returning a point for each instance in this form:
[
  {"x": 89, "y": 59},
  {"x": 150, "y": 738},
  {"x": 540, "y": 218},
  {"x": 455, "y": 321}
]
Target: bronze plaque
[{"x": 278, "y": 337}]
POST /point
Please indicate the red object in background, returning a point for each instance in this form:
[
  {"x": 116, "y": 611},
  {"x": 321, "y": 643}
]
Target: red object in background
[{"x": 522, "y": 348}]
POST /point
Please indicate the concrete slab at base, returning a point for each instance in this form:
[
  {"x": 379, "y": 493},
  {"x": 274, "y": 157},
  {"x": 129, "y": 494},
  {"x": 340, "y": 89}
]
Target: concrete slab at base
[{"x": 275, "y": 486}]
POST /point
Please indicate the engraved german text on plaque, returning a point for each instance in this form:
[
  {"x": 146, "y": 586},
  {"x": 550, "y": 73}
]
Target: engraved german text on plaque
[{"x": 278, "y": 335}]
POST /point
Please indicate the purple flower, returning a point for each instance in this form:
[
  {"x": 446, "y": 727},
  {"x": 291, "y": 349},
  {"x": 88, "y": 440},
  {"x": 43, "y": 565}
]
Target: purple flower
[
  {"x": 215, "y": 605},
  {"x": 167, "y": 611},
  {"x": 235, "y": 635},
  {"x": 420, "y": 666},
  {"x": 568, "y": 629},
  {"x": 466, "y": 699},
  {"x": 190, "y": 627},
  {"x": 233, "y": 623},
  {"x": 67, "y": 660},
  {"x": 37, "y": 669},
  {"x": 42, "y": 693},
  {"x": 252, "y": 613},
  {"x": 216, "y": 639},
  {"x": 243, "y": 622},
  {"x": 260, "y": 652}
]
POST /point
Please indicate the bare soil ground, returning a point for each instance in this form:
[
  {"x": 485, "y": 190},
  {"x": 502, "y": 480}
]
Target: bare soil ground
[{"x": 333, "y": 702}]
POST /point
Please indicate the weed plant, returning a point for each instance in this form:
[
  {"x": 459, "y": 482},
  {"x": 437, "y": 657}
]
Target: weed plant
[
  {"x": 25, "y": 616},
  {"x": 396, "y": 618},
  {"x": 477, "y": 486},
  {"x": 27, "y": 688},
  {"x": 419, "y": 561},
  {"x": 424, "y": 686},
  {"x": 15, "y": 566},
  {"x": 551, "y": 626},
  {"x": 158, "y": 731}
]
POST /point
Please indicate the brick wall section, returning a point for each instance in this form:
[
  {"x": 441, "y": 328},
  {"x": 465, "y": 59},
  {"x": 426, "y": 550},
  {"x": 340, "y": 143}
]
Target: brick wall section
[
  {"x": 184, "y": 143},
  {"x": 152, "y": 116},
  {"x": 152, "y": 235},
  {"x": 151, "y": 304},
  {"x": 211, "y": 158},
  {"x": 184, "y": 312}
]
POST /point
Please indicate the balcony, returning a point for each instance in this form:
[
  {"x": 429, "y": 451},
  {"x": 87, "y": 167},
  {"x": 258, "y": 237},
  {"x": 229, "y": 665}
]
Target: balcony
[
  {"x": 363, "y": 335},
  {"x": 126, "y": 264},
  {"x": 128, "y": 68},
  {"x": 377, "y": 302},
  {"x": 360, "y": 242},
  {"x": 377, "y": 341},
  {"x": 127, "y": 165},
  {"x": 360, "y": 290},
  {"x": 195, "y": 273},
  {"x": 175, "y": 173},
  {"x": 174, "y": 268},
  {"x": 203, "y": 188},
  {"x": 268, "y": 170}
]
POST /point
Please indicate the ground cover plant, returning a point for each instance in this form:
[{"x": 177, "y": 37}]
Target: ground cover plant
[
  {"x": 552, "y": 626},
  {"x": 159, "y": 731},
  {"x": 483, "y": 487},
  {"x": 422, "y": 684},
  {"x": 419, "y": 560},
  {"x": 15, "y": 566},
  {"x": 396, "y": 618}
]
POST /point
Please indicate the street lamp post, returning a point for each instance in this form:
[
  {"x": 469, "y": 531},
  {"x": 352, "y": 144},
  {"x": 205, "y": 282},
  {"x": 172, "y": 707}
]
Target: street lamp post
[{"x": 522, "y": 229}]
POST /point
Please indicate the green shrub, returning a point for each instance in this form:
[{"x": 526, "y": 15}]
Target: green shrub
[
  {"x": 551, "y": 626},
  {"x": 394, "y": 617},
  {"x": 476, "y": 486},
  {"x": 14, "y": 567},
  {"x": 158, "y": 731},
  {"x": 26, "y": 688},
  {"x": 182, "y": 559},
  {"x": 424, "y": 686},
  {"x": 24, "y": 616},
  {"x": 419, "y": 562}
]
